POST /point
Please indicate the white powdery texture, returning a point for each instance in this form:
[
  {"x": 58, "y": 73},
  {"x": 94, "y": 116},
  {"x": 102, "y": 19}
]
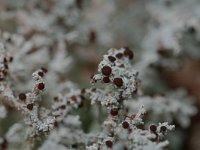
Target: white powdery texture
[
  {"x": 67, "y": 132},
  {"x": 174, "y": 106},
  {"x": 173, "y": 32}
]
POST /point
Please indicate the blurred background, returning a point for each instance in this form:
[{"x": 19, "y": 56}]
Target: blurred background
[{"x": 69, "y": 38}]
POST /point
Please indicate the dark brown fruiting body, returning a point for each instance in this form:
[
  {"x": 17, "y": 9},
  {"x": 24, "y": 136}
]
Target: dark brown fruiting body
[
  {"x": 109, "y": 143},
  {"x": 22, "y": 96},
  {"x": 30, "y": 106},
  {"x": 41, "y": 86},
  {"x": 128, "y": 52},
  {"x": 41, "y": 74},
  {"x": 106, "y": 79},
  {"x": 111, "y": 58},
  {"x": 119, "y": 55},
  {"x": 163, "y": 129},
  {"x": 118, "y": 82},
  {"x": 73, "y": 98},
  {"x": 44, "y": 69},
  {"x": 106, "y": 70},
  {"x": 125, "y": 125},
  {"x": 121, "y": 66},
  {"x": 114, "y": 112},
  {"x": 130, "y": 130},
  {"x": 55, "y": 98},
  {"x": 153, "y": 128},
  {"x": 163, "y": 52}
]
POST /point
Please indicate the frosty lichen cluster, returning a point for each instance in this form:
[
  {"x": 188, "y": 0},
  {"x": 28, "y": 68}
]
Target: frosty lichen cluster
[
  {"x": 121, "y": 126},
  {"x": 127, "y": 135},
  {"x": 48, "y": 39},
  {"x": 62, "y": 129},
  {"x": 39, "y": 118},
  {"x": 115, "y": 68},
  {"x": 173, "y": 106}
]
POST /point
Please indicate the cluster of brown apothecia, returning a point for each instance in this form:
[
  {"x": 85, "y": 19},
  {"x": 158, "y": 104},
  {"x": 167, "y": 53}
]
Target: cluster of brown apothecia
[
  {"x": 37, "y": 117},
  {"x": 121, "y": 81},
  {"x": 115, "y": 68},
  {"x": 107, "y": 70},
  {"x": 121, "y": 126},
  {"x": 118, "y": 126},
  {"x": 38, "y": 86},
  {"x": 129, "y": 134}
]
